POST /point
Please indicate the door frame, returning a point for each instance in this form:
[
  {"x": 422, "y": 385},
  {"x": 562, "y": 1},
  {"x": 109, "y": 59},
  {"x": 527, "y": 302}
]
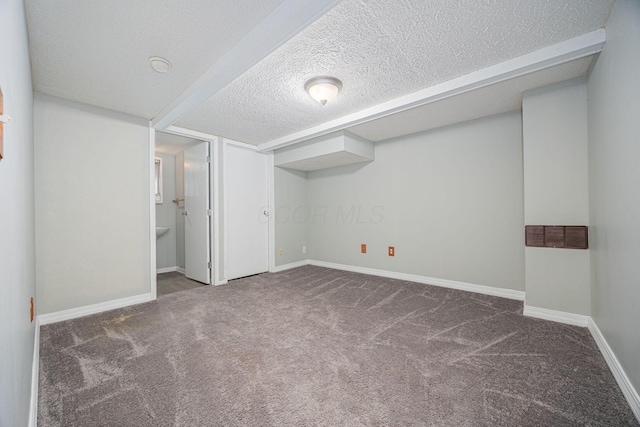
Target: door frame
[
  {"x": 218, "y": 196},
  {"x": 213, "y": 143}
]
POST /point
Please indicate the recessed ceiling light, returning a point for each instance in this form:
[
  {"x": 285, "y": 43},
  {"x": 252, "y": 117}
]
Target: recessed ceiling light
[
  {"x": 160, "y": 65},
  {"x": 323, "y": 89}
]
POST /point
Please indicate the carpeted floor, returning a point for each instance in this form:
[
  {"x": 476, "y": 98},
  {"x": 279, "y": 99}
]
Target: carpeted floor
[{"x": 320, "y": 347}]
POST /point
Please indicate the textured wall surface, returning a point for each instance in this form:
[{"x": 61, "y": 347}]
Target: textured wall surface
[
  {"x": 17, "y": 256},
  {"x": 381, "y": 50},
  {"x": 614, "y": 107}
]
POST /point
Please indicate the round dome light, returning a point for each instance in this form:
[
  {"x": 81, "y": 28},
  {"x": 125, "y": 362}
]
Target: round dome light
[
  {"x": 159, "y": 65},
  {"x": 323, "y": 89}
]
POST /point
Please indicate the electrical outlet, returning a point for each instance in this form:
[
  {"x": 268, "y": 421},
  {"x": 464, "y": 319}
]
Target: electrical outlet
[
  {"x": 392, "y": 251},
  {"x": 363, "y": 248},
  {"x": 280, "y": 252},
  {"x": 304, "y": 249}
]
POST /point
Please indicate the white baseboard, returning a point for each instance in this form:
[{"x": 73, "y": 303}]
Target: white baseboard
[
  {"x": 74, "y": 313},
  {"x": 35, "y": 374},
  {"x": 452, "y": 284},
  {"x": 181, "y": 270},
  {"x": 623, "y": 381},
  {"x": 279, "y": 268},
  {"x": 556, "y": 316},
  {"x": 166, "y": 270}
]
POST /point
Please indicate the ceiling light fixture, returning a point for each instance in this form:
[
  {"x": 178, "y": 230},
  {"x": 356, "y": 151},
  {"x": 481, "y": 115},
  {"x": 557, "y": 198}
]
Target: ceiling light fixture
[
  {"x": 323, "y": 89},
  {"x": 159, "y": 65}
]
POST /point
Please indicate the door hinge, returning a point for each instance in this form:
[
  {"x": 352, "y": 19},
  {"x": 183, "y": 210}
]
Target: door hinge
[
  {"x": 208, "y": 159},
  {"x": 209, "y": 212},
  {"x": 209, "y": 265}
]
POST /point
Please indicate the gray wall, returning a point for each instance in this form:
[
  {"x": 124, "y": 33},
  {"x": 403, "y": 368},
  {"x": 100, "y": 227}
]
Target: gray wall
[
  {"x": 556, "y": 191},
  {"x": 17, "y": 271},
  {"x": 449, "y": 200},
  {"x": 92, "y": 204},
  {"x": 166, "y": 214},
  {"x": 291, "y": 214},
  {"x": 614, "y": 178}
]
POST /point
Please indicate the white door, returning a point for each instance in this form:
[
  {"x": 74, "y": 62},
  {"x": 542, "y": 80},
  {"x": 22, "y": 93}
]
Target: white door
[
  {"x": 247, "y": 215},
  {"x": 196, "y": 218}
]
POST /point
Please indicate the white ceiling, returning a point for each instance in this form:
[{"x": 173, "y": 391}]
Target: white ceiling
[
  {"x": 96, "y": 52},
  {"x": 381, "y": 50}
]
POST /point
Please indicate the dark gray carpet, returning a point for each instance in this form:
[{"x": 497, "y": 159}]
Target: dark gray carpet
[{"x": 320, "y": 347}]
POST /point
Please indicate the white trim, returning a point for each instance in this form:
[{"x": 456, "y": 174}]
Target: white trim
[
  {"x": 166, "y": 270},
  {"x": 621, "y": 377},
  {"x": 272, "y": 210},
  {"x": 74, "y": 313},
  {"x": 560, "y": 53},
  {"x": 556, "y": 316},
  {"x": 283, "y": 267},
  {"x": 241, "y": 144},
  {"x": 211, "y": 251},
  {"x": 210, "y": 278},
  {"x": 181, "y": 270},
  {"x": 190, "y": 133},
  {"x": 287, "y": 20},
  {"x": 217, "y": 175},
  {"x": 225, "y": 187},
  {"x": 35, "y": 375},
  {"x": 153, "y": 282},
  {"x": 445, "y": 283}
]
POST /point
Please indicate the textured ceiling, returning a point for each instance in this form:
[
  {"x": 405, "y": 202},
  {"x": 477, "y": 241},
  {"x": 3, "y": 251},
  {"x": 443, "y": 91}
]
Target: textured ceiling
[
  {"x": 487, "y": 101},
  {"x": 96, "y": 52},
  {"x": 384, "y": 49},
  {"x": 171, "y": 144}
]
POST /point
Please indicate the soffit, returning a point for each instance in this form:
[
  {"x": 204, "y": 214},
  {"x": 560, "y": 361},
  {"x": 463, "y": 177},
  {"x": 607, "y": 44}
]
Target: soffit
[
  {"x": 487, "y": 101},
  {"x": 382, "y": 50}
]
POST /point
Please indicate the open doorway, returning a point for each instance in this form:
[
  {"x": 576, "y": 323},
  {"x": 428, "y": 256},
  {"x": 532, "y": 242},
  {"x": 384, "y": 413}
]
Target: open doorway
[{"x": 183, "y": 210}]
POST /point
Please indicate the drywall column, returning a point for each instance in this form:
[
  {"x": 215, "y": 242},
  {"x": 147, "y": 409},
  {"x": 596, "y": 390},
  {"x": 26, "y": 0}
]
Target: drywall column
[{"x": 556, "y": 192}]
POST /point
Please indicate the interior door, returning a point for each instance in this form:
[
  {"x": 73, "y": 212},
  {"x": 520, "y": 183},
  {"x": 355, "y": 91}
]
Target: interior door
[
  {"x": 196, "y": 213},
  {"x": 247, "y": 214}
]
